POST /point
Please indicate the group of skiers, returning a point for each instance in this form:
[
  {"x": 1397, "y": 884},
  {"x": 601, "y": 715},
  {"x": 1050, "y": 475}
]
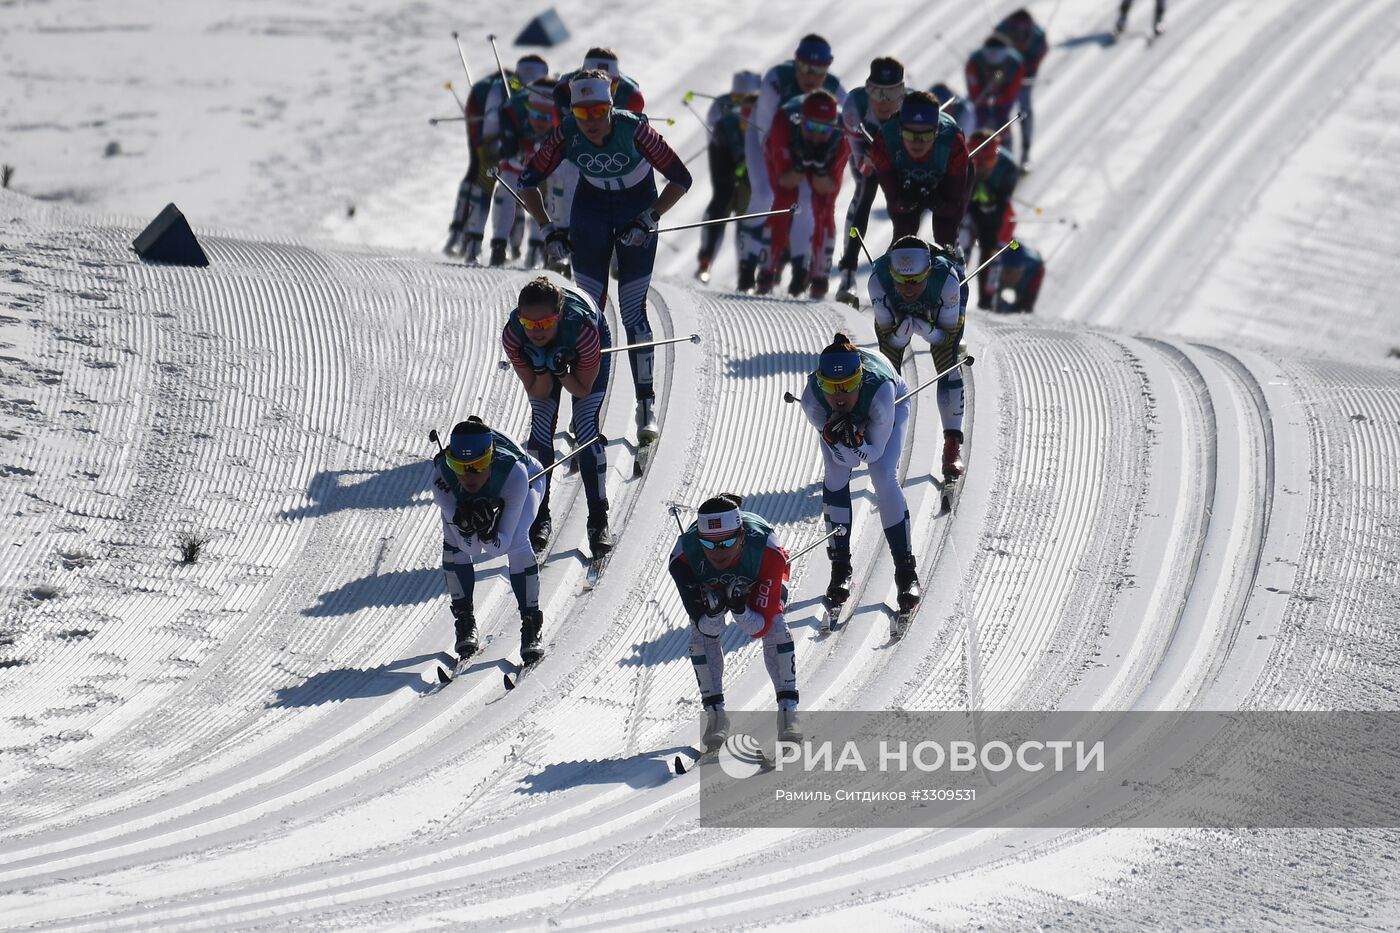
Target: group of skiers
[{"x": 580, "y": 157}]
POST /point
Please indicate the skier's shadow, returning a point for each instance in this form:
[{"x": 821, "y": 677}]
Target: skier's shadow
[
  {"x": 349, "y": 683},
  {"x": 334, "y": 490},
  {"x": 1104, "y": 39},
  {"x": 647, "y": 769},
  {"x": 770, "y": 363}
]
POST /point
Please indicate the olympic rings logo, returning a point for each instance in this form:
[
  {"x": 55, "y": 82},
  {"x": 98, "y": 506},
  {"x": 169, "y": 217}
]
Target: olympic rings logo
[{"x": 604, "y": 162}]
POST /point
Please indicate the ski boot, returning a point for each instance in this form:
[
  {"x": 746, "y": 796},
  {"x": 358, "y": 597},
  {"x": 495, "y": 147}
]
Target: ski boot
[
  {"x": 819, "y": 288},
  {"x": 647, "y": 431},
  {"x": 763, "y": 285},
  {"x": 531, "y": 648},
  {"x": 906, "y": 578},
  {"x": 540, "y": 530},
  {"x": 716, "y": 726},
  {"x": 498, "y": 253},
  {"x": 465, "y": 624},
  {"x": 456, "y": 242},
  {"x": 600, "y": 540},
  {"x": 703, "y": 272},
  {"x": 846, "y": 293},
  {"x": 472, "y": 253},
  {"x": 789, "y": 727},
  {"x": 952, "y": 455},
  {"x": 800, "y": 279},
  {"x": 839, "y": 589},
  {"x": 1158, "y": 28},
  {"x": 747, "y": 269}
]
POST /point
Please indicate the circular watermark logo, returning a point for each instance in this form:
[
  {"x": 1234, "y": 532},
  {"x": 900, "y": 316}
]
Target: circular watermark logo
[{"x": 741, "y": 756}]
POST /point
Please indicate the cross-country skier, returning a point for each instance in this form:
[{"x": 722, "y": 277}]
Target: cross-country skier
[
  {"x": 730, "y": 563},
  {"x": 525, "y": 125},
  {"x": 1027, "y": 38},
  {"x": 960, "y": 109},
  {"x": 806, "y": 72},
  {"x": 850, "y": 400},
  {"x": 995, "y": 73},
  {"x": 728, "y": 119},
  {"x": 921, "y": 162},
  {"x": 554, "y": 338},
  {"x": 1022, "y": 271},
  {"x": 482, "y": 487},
  {"x": 915, "y": 290},
  {"x": 615, "y": 211},
  {"x": 866, "y": 110},
  {"x": 989, "y": 209},
  {"x": 485, "y": 99},
  {"x": 1159, "y": 24},
  {"x": 806, "y": 154}
]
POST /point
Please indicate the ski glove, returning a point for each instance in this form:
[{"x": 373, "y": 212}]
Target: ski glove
[
  {"x": 736, "y": 598},
  {"x": 641, "y": 229},
  {"x": 556, "y": 243},
  {"x": 713, "y": 601},
  {"x": 835, "y": 429},
  {"x": 563, "y": 362},
  {"x": 479, "y": 517}
]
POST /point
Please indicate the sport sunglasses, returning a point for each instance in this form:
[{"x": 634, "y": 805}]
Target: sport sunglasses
[
  {"x": 918, "y": 136},
  {"x": 895, "y": 92},
  {"x": 814, "y": 126},
  {"x": 838, "y": 386},
  {"x": 479, "y": 465},
  {"x": 590, "y": 111},
  {"x": 544, "y": 323},
  {"x": 723, "y": 545},
  {"x": 807, "y": 68},
  {"x": 909, "y": 279}
]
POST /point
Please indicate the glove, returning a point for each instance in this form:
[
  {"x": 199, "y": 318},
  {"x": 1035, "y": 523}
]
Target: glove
[
  {"x": 902, "y": 332},
  {"x": 713, "y": 601},
  {"x": 835, "y": 429},
  {"x": 563, "y": 362},
  {"x": 736, "y": 598},
  {"x": 539, "y": 358},
  {"x": 556, "y": 243},
  {"x": 482, "y": 517},
  {"x": 641, "y": 229},
  {"x": 851, "y": 435}
]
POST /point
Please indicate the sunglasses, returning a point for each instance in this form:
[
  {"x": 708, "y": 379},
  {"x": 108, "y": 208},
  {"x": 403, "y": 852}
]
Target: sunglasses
[
  {"x": 479, "y": 465},
  {"x": 540, "y": 113},
  {"x": 722, "y": 545},
  {"x": 909, "y": 279},
  {"x": 544, "y": 323},
  {"x": 918, "y": 136},
  {"x": 807, "y": 68},
  {"x": 839, "y": 386},
  {"x": 822, "y": 129},
  {"x": 885, "y": 93},
  {"x": 590, "y": 111}
]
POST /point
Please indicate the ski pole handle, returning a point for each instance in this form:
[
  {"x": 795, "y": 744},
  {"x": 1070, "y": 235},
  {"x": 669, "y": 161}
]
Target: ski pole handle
[
  {"x": 1020, "y": 115},
  {"x": 691, "y": 95},
  {"x": 1014, "y": 244},
  {"x": 566, "y": 458},
  {"x": 693, "y": 338},
  {"x": 433, "y": 436},
  {"x": 838, "y": 531},
  {"x": 726, "y": 220},
  {"x": 969, "y": 360}
]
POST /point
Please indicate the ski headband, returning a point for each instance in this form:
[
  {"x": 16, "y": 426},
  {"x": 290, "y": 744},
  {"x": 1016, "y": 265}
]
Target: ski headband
[
  {"x": 814, "y": 51},
  {"x": 910, "y": 260},
  {"x": 468, "y": 445},
  {"x": 839, "y": 364},
  {"x": 527, "y": 70},
  {"x": 590, "y": 91},
  {"x": 717, "y": 526},
  {"x": 918, "y": 110},
  {"x": 603, "y": 64}
]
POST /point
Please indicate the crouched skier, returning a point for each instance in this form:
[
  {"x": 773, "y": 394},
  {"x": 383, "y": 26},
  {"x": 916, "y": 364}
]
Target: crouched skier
[
  {"x": 730, "y": 561},
  {"x": 482, "y": 486}
]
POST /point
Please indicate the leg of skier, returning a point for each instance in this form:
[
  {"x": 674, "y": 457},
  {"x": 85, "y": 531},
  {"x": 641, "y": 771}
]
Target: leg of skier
[
  {"x": 544, "y": 418},
  {"x": 524, "y": 572},
  {"x": 780, "y": 658},
  {"x": 761, "y": 193},
  {"x": 894, "y": 511},
  {"x": 780, "y": 229},
  {"x": 707, "y": 660},
  {"x": 634, "y": 267},
  {"x": 836, "y": 508},
  {"x": 800, "y": 240},
  {"x": 593, "y": 461},
  {"x": 461, "y": 584}
]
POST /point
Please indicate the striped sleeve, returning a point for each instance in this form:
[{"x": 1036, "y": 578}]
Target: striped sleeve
[
  {"x": 510, "y": 342},
  {"x": 546, "y": 160},
  {"x": 660, "y": 154},
  {"x": 589, "y": 348}
]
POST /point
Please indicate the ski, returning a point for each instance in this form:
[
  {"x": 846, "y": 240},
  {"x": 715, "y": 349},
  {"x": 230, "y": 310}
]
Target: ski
[
  {"x": 596, "y": 566},
  {"x": 833, "y": 617},
  {"x": 708, "y": 756},
  {"x": 520, "y": 671},
  {"x": 645, "y": 451},
  {"x": 848, "y": 298},
  {"x": 951, "y": 488},
  {"x": 899, "y": 622}
]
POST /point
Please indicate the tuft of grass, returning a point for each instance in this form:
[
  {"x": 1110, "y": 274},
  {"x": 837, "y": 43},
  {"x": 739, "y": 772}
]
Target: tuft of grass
[{"x": 191, "y": 544}]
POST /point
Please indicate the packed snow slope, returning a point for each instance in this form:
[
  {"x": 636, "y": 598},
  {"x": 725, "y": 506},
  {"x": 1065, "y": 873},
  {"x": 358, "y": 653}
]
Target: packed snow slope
[{"x": 1182, "y": 488}]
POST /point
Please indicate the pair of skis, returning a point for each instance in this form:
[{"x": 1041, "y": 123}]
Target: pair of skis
[{"x": 511, "y": 679}]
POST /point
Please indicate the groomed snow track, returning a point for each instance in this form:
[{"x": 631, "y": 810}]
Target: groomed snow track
[{"x": 255, "y": 741}]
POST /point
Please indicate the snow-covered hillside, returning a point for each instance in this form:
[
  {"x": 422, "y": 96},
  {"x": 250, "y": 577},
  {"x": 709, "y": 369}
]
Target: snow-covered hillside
[{"x": 1182, "y": 488}]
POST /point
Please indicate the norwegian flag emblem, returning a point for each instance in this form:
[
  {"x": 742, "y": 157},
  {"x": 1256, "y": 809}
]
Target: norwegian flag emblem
[{"x": 714, "y": 524}]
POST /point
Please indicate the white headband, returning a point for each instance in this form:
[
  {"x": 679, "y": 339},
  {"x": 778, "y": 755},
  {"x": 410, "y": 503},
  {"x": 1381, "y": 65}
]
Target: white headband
[
  {"x": 718, "y": 525},
  {"x": 603, "y": 64},
  {"x": 590, "y": 90},
  {"x": 910, "y": 260}
]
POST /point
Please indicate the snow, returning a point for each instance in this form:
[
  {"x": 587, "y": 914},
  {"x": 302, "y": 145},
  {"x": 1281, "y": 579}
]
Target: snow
[{"x": 1181, "y": 494}]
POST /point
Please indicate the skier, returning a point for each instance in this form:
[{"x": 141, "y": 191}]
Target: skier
[
  {"x": 960, "y": 109},
  {"x": 482, "y": 486},
  {"x": 806, "y": 153},
  {"x": 1022, "y": 271},
  {"x": 850, "y": 400},
  {"x": 553, "y": 339},
  {"x": 1158, "y": 21},
  {"x": 995, "y": 73},
  {"x": 989, "y": 209},
  {"x": 1029, "y": 40},
  {"x": 921, "y": 162},
  {"x": 806, "y": 72},
  {"x": 525, "y": 124},
  {"x": 730, "y": 562},
  {"x": 866, "y": 110},
  {"x": 485, "y": 99},
  {"x": 615, "y": 210},
  {"x": 728, "y": 119},
  {"x": 915, "y": 289}
]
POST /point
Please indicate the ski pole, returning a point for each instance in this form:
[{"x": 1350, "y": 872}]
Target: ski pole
[
  {"x": 688, "y": 159},
  {"x": 855, "y": 235},
  {"x": 838, "y": 531},
  {"x": 1012, "y": 245},
  {"x": 463, "y": 56},
  {"x": 434, "y": 121},
  {"x": 513, "y": 193},
  {"x": 676, "y": 514},
  {"x": 567, "y": 457},
  {"x": 460, "y": 106},
  {"x": 1020, "y": 115},
  {"x": 725, "y": 220},
  {"x": 693, "y": 338},
  {"x": 433, "y": 436},
  {"x": 686, "y": 102},
  {"x": 969, "y": 360},
  {"x": 499, "y": 67},
  {"x": 691, "y": 95}
]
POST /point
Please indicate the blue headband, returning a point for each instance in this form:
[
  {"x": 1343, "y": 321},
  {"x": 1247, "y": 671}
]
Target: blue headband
[
  {"x": 839, "y": 364},
  {"x": 815, "y": 51},
  {"x": 468, "y": 447}
]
